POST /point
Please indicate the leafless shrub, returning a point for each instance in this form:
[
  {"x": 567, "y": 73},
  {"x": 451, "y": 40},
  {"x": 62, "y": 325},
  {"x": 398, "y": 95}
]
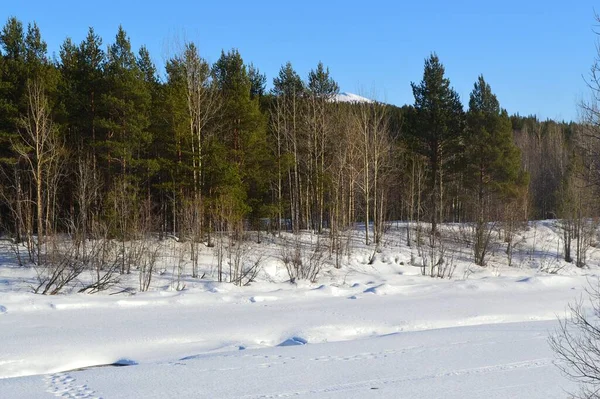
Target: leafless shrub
[
  {"x": 433, "y": 256},
  {"x": 63, "y": 262},
  {"x": 340, "y": 245},
  {"x": 57, "y": 266},
  {"x": 513, "y": 243},
  {"x": 549, "y": 263},
  {"x": 481, "y": 234},
  {"x": 576, "y": 344},
  {"x": 178, "y": 270},
  {"x": 468, "y": 272},
  {"x": 146, "y": 267},
  {"x": 192, "y": 230},
  {"x": 437, "y": 257},
  {"x": 303, "y": 261},
  {"x": 104, "y": 261},
  {"x": 244, "y": 263},
  {"x": 446, "y": 270},
  {"x": 291, "y": 256}
]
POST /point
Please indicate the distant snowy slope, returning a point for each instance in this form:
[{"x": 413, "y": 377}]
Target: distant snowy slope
[{"x": 346, "y": 97}]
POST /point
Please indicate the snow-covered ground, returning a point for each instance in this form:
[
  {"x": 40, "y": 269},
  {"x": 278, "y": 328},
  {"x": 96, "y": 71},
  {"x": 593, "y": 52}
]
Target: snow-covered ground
[{"x": 366, "y": 330}]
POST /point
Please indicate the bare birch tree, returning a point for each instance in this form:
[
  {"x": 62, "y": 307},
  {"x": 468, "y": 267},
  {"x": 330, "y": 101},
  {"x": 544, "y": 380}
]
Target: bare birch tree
[{"x": 41, "y": 152}]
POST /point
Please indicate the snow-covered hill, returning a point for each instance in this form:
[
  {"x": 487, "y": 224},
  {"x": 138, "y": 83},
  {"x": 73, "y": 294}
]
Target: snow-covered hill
[{"x": 345, "y": 97}]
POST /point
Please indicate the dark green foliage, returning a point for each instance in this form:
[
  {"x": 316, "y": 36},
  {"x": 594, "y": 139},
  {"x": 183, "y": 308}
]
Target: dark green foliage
[
  {"x": 435, "y": 130},
  {"x": 258, "y": 81},
  {"x": 321, "y": 84},
  {"x": 35, "y": 49},
  {"x": 13, "y": 40},
  {"x": 493, "y": 161},
  {"x": 14, "y": 76},
  {"x": 242, "y": 130},
  {"x": 24, "y": 59},
  {"x": 125, "y": 108},
  {"x": 81, "y": 88},
  {"x": 288, "y": 83}
]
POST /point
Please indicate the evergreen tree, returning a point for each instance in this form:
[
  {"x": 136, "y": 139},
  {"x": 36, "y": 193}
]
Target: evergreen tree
[
  {"x": 258, "y": 82},
  {"x": 435, "y": 130},
  {"x": 70, "y": 94},
  {"x": 80, "y": 89},
  {"x": 243, "y": 128},
  {"x": 492, "y": 160},
  {"x": 321, "y": 84},
  {"x": 289, "y": 90},
  {"x": 13, "y": 78},
  {"x": 152, "y": 86},
  {"x": 125, "y": 121},
  {"x": 88, "y": 86},
  {"x": 288, "y": 83},
  {"x": 13, "y": 39},
  {"x": 38, "y": 65},
  {"x": 35, "y": 50},
  {"x": 24, "y": 60},
  {"x": 125, "y": 105},
  {"x": 173, "y": 143}
]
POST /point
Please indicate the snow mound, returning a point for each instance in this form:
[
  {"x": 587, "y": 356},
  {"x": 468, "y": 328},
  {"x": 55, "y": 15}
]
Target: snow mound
[
  {"x": 294, "y": 341},
  {"x": 325, "y": 289},
  {"x": 382, "y": 289},
  {"x": 259, "y": 298}
]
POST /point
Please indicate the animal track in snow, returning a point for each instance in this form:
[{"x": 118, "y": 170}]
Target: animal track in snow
[
  {"x": 372, "y": 384},
  {"x": 63, "y": 385}
]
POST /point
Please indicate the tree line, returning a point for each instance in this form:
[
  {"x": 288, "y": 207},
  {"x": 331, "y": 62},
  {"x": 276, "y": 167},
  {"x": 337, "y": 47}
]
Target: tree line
[{"x": 97, "y": 142}]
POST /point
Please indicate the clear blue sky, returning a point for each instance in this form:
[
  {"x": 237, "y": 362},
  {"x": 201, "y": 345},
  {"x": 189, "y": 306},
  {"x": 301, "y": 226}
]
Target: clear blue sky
[{"x": 532, "y": 52}]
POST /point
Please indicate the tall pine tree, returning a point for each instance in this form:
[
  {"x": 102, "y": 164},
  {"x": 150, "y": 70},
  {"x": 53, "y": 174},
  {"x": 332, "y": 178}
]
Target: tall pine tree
[
  {"x": 435, "y": 131},
  {"x": 492, "y": 160},
  {"x": 243, "y": 133}
]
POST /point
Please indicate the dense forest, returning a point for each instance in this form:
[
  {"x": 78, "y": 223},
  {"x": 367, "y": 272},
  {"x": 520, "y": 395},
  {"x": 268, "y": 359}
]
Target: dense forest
[{"x": 97, "y": 143}]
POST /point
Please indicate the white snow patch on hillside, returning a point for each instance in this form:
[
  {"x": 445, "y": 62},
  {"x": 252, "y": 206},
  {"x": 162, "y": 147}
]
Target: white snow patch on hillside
[{"x": 346, "y": 97}]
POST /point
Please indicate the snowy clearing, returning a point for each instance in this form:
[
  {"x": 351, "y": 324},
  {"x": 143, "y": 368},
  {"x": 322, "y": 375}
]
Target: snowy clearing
[{"x": 366, "y": 330}]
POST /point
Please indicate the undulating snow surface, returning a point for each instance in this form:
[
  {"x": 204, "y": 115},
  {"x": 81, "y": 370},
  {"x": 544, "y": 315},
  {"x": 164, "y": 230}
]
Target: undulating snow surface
[{"x": 379, "y": 330}]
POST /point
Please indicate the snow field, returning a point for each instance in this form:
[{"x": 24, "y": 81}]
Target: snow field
[{"x": 366, "y": 330}]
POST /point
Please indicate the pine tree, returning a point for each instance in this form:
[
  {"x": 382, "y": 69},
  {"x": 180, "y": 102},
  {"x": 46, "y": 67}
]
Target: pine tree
[
  {"x": 492, "y": 160},
  {"x": 125, "y": 120},
  {"x": 38, "y": 66},
  {"x": 79, "y": 91},
  {"x": 288, "y": 83},
  {"x": 321, "y": 84},
  {"x": 289, "y": 91},
  {"x": 91, "y": 61},
  {"x": 258, "y": 82},
  {"x": 435, "y": 130},
  {"x": 35, "y": 51},
  {"x": 150, "y": 155},
  {"x": 126, "y": 105},
  {"x": 243, "y": 133},
  {"x": 13, "y": 78}
]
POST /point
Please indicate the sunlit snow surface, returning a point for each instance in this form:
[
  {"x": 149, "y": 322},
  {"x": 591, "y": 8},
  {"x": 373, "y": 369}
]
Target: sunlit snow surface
[
  {"x": 346, "y": 97},
  {"x": 380, "y": 331}
]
